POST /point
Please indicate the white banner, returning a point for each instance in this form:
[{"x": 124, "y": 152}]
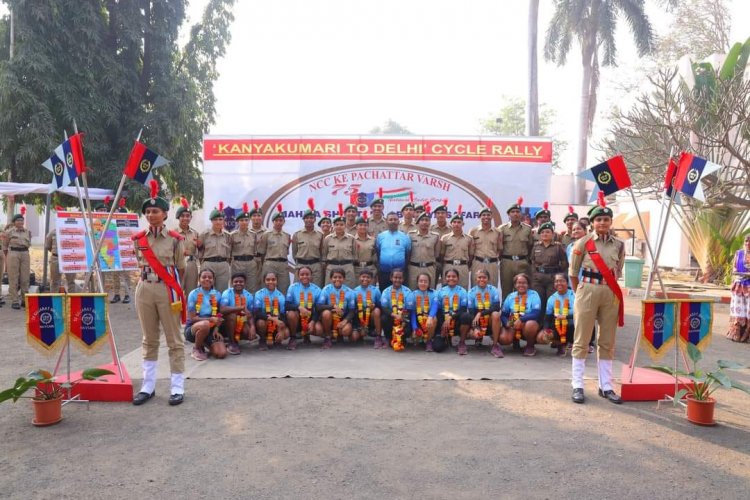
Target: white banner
[{"x": 333, "y": 170}]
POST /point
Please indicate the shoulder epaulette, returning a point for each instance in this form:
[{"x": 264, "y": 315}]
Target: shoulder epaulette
[
  {"x": 174, "y": 234},
  {"x": 138, "y": 236}
]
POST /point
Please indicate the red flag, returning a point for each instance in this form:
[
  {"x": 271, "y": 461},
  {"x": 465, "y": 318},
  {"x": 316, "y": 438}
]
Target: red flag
[
  {"x": 76, "y": 146},
  {"x": 669, "y": 178}
]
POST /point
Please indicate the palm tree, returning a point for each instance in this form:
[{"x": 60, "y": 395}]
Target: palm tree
[
  {"x": 532, "y": 102},
  {"x": 593, "y": 23}
]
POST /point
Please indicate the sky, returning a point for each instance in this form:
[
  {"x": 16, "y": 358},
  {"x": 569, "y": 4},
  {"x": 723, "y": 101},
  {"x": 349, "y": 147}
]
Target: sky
[{"x": 437, "y": 67}]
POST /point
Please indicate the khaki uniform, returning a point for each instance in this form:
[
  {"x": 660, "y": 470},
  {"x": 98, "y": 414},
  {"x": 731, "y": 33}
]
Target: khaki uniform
[
  {"x": 425, "y": 253},
  {"x": 487, "y": 246},
  {"x": 189, "y": 279},
  {"x": 3, "y": 249},
  {"x": 121, "y": 281},
  {"x": 55, "y": 281},
  {"x": 516, "y": 250},
  {"x": 256, "y": 265},
  {"x": 535, "y": 235},
  {"x": 456, "y": 252},
  {"x": 351, "y": 230},
  {"x": 596, "y": 302},
  {"x": 340, "y": 252},
  {"x": 407, "y": 228},
  {"x": 441, "y": 231},
  {"x": 276, "y": 248},
  {"x": 215, "y": 253},
  {"x": 376, "y": 227},
  {"x": 546, "y": 261},
  {"x": 566, "y": 239},
  {"x": 365, "y": 257},
  {"x": 19, "y": 263},
  {"x": 307, "y": 251},
  {"x": 243, "y": 257},
  {"x": 153, "y": 302}
]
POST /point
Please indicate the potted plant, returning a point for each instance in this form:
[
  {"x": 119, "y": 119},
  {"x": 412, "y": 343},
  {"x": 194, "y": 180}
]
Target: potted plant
[
  {"x": 47, "y": 399},
  {"x": 700, "y": 404}
]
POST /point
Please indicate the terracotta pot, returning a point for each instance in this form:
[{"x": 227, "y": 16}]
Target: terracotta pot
[
  {"x": 701, "y": 412},
  {"x": 47, "y": 411}
]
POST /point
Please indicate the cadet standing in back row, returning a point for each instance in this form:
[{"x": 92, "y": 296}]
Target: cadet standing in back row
[
  {"x": 243, "y": 246},
  {"x": 516, "y": 248},
  {"x": 339, "y": 250},
  {"x": 487, "y": 245},
  {"x": 254, "y": 278},
  {"x": 457, "y": 250},
  {"x": 189, "y": 279},
  {"x": 425, "y": 252},
  {"x": 50, "y": 244},
  {"x": 215, "y": 246},
  {"x": 275, "y": 244},
  {"x": 307, "y": 244}
]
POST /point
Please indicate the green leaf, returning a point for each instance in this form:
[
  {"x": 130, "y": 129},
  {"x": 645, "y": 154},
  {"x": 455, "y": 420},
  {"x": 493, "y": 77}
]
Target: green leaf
[
  {"x": 731, "y": 365},
  {"x": 740, "y": 386},
  {"x": 694, "y": 353},
  {"x": 681, "y": 394},
  {"x": 95, "y": 373},
  {"x": 721, "y": 378},
  {"x": 730, "y": 62}
]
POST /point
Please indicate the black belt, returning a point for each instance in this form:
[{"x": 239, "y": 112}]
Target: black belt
[
  {"x": 243, "y": 258},
  {"x": 308, "y": 261},
  {"x": 514, "y": 257},
  {"x": 54, "y": 255},
  {"x": 276, "y": 259},
  {"x": 190, "y": 258},
  {"x": 585, "y": 273},
  {"x": 19, "y": 249},
  {"x": 547, "y": 270},
  {"x": 455, "y": 262},
  {"x": 486, "y": 260},
  {"x": 339, "y": 262},
  {"x": 421, "y": 264},
  {"x": 364, "y": 263},
  {"x": 215, "y": 259}
]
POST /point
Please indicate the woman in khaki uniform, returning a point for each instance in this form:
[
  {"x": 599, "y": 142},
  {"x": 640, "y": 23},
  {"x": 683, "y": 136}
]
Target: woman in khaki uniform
[
  {"x": 243, "y": 246},
  {"x": 19, "y": 263},
  {"x": 216, "y": 247},
  {"x": 275, "y": 244},
  {"x": 457, "y": 249},
  {"x": 189, "y": 279},
  {"x": 365, "y": 256},
  {"x": 425, "y": 252},
  {"x": 307, "y": 245},
  {"x": 159, "y": 299},
  {"x": 515, "y": 250},
  {"x": 339, "y": 250}
]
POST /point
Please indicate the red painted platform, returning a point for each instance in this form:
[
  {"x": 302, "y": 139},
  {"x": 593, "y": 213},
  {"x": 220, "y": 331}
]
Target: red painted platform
[
  {"x": 110, "y": 388},
  {"x": 647, "y": 384}
]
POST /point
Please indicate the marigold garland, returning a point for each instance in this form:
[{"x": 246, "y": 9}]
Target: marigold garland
[
  {"x": 519, "y": 309},
  {"x": 306, "y": 302},
  {"x": 397, "y": 306},
  {"x": 561, "y": 324},
  {"x": 274, "y": 312},
  {"x": 337, "y": 305}
]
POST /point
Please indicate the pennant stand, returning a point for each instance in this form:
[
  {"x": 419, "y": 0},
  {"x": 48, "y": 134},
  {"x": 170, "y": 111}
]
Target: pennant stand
[{"x": 87, "y": 224}]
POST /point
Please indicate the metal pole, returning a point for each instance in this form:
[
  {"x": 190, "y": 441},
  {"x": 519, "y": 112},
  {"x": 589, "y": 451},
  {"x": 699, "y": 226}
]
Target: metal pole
[
  {"x": 654, "y": 267},
  {"x": 46, "y": 232},
  {"x": 100, "y": 240}
]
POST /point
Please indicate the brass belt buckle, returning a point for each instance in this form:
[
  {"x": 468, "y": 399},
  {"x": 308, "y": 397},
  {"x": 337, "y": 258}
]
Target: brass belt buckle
[
  {"x": 485, "y": 261},
  {"x": 363, "y": 263},
  {"x": 457, "y": 262},
  {"x": 515, "y": 257},
  {"x": 152, "y": 277}
]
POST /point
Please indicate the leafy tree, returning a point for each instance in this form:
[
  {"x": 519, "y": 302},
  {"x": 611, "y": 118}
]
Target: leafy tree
[
  {"x": 511, "y": 121},
  {"x": 593, "y": 23},
  {"x": 114, "y": 67},
  {"x": 391, "y": 127},
  {"x": 706, "y": 110},
  {"x": 701, "y": 28}
]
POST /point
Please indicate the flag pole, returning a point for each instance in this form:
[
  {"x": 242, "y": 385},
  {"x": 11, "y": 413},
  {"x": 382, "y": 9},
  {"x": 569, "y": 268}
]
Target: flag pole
[
  {"x": 118, "y": 194},
  {"x": 46, "y": 232},
  {"x": 654, "y": 268}
]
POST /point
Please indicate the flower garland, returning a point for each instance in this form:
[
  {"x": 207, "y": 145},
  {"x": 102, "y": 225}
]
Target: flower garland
[
  {"x": 274, "y": 312},
  {"x": 363, "y": 309},
  {"x": 423, "y": 310},
  {"x": 306, "y": 302},
  {"x": 337, "y": 305},
  {"x": 561, "y": 324},
  {"x": 239, "y": 301},
  {"x": 214, "y": 306},
  {"x": 519, "y": 308},
  {"x": 397, "y": 307},
  {"x": 483, "y": 304},
  {"x": 449, "y": 311}
]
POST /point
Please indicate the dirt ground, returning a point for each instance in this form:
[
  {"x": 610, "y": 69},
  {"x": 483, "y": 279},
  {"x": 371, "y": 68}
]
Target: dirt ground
[{"x": 353, "y": 438}]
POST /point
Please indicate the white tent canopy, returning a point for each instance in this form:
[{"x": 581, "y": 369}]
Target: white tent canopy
[{"x": 18, "y": 188}]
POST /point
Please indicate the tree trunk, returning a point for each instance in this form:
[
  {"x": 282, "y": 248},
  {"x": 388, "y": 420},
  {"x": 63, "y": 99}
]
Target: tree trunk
[
  {"x": 579, "y": 187},
  {"x": 532, "y": 103}
]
